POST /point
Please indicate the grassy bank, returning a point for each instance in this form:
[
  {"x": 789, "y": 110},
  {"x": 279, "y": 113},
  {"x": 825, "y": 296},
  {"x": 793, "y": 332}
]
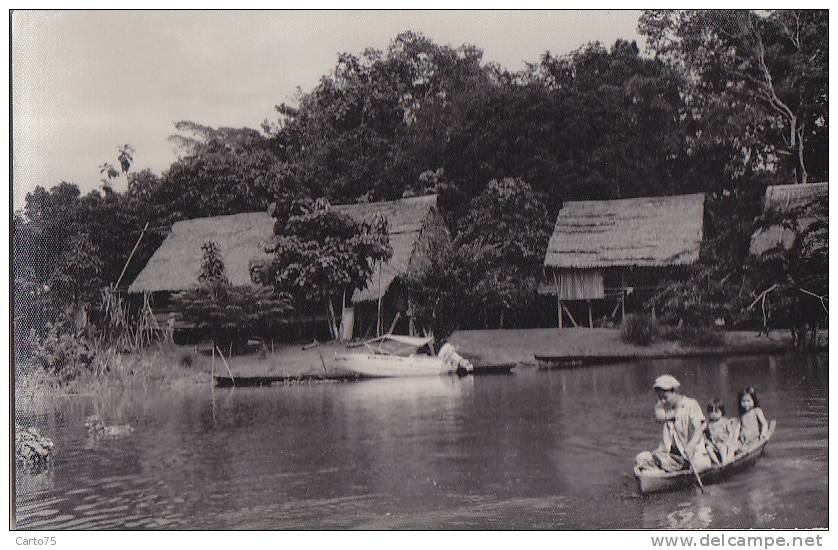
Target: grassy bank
[
  {"x": 172, "y": 366},
  {"x": 521, "y": 345}
]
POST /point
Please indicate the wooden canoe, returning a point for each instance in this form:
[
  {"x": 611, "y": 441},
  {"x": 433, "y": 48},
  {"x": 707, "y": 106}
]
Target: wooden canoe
[{"x": 659, "y": 481}]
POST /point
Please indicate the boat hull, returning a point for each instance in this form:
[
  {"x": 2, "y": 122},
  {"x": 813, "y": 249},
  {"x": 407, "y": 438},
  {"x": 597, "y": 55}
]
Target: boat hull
[
  {"x": 372, "y": 365},
  {"x": 656, "y": 482}
]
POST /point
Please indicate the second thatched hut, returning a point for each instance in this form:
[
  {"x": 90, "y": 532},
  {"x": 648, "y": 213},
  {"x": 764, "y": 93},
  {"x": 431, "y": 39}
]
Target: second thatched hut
[{"x": 607, "y": 257}]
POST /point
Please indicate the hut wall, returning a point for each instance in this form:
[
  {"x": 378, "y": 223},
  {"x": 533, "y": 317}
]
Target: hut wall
[{"x": 578, "y": 284}]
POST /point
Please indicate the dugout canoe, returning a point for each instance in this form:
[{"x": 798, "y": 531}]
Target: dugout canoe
[{"x": 659, "y": 481}]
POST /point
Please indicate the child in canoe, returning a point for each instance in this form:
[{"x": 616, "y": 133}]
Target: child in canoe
[
  {"x": 721, "y": 434},
  {"x": 753, "y": 426}
]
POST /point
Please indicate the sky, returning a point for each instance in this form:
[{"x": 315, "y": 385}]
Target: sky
[{"x": 84, "y": 83}]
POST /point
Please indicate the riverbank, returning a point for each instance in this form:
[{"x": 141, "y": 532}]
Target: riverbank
[
  {"x": 176, "y": 366},
  {"x": 172, "y": 366},
  {"x": 520, "y": 346}
]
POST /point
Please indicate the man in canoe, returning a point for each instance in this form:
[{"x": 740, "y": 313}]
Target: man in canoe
[{"x": 682, "y": 443}]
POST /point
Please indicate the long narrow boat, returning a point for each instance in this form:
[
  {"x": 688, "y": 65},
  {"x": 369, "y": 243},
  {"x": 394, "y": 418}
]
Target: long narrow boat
[
  {"x": 659, "y": 481},
  {"x": 395, "y": 355}
]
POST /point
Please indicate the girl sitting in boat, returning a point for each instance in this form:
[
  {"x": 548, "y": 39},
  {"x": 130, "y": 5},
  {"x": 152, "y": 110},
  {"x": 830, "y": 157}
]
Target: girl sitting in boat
[
  {"x": 753, "y": 426},
  {"x": 721, "y": 434}
]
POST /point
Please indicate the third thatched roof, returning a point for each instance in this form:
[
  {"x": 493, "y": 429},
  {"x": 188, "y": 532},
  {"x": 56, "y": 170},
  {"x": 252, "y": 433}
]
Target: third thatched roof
[{"x": 648, "y": 232}]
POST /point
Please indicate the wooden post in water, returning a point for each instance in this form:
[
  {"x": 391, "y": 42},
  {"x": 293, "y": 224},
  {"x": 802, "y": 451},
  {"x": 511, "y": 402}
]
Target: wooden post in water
[{"x": 590, "y": 316}]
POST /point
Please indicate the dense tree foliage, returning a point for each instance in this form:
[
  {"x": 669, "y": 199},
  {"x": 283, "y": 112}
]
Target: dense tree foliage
[
  {"x": 370, "y": 128},
  {"x": 321, "y": 255},
  {"x": 756, "y": 81},
  {"x": 503, "y": 238},
  {"x": 725, "y": 102},
  {"x": 229, "y": 314}
]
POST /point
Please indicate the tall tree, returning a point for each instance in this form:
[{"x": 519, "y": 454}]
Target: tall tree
[
  {"x": 321, "y": 255},
  {"x": 369, "y": 129},
  {"x": 755, "y": 79},
  {"x": 505, "y": 233},
  {"x": 220, "y": 171},
  {"x": 595, "y": 124}
]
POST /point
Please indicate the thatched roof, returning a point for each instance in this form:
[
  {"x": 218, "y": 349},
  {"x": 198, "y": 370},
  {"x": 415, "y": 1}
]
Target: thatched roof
[
  {"x": 783, "y": 198},
  {"x": 242, "y": 237},
  {"x": 648, "y": 232}
]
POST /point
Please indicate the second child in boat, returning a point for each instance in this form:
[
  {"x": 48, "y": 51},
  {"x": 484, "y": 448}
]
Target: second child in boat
[
  {"x": 721, "y": 434},
  {"x": 753, "y": 426}
]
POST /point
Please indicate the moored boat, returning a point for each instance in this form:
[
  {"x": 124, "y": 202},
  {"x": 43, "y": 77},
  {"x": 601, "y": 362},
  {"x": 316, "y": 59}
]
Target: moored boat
[
  {"x": 658, "y": 481},
  {"x": 393, "y": 355}
]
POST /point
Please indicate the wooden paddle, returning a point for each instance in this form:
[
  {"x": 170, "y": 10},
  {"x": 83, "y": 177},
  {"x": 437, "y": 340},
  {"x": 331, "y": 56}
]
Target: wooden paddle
[{"x": 683, "y": 448}]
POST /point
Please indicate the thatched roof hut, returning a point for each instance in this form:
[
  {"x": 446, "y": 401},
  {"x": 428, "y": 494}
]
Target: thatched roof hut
[
  {"x": 593, "y": 238},
  {"x": 242, "y": 237},
  {"x": 787, "y": 198},
  {"x": 649, "y": 231}
]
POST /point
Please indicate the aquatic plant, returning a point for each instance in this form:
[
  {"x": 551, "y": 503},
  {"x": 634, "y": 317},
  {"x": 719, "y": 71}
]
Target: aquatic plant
[
  {"x": 97, "y": 427},
  {"x": 32, "y": 450}
]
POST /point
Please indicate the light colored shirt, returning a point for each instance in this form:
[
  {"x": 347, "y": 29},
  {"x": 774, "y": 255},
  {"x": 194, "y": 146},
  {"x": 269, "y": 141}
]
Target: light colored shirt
[{"x": 683, "y": 422}]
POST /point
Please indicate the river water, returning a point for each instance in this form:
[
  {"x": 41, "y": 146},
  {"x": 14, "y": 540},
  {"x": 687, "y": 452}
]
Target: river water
[{"x": 535, "y": 449}]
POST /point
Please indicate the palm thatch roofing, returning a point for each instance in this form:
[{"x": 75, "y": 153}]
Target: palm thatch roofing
[
  {"x": 786, "y": 198},
  {"x": 641, "y": 232},
  {"x": 242, "y": 238}
]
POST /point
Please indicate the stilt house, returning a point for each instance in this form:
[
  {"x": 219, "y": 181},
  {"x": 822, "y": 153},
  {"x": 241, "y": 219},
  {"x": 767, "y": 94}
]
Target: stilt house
[
  {"x": 415, "y": 228},
  {"x": 607, "y": 257}
]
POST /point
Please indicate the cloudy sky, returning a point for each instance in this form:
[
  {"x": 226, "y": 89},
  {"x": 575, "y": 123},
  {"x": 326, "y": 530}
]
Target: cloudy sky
[{"x": 86, "y": 82}]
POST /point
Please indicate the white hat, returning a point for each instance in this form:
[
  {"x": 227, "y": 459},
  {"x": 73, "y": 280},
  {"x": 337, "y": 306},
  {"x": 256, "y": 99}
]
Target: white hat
[{"x": 666, "y": 382}]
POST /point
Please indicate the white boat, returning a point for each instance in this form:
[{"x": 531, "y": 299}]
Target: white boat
[{"x": 394, "y": 355}]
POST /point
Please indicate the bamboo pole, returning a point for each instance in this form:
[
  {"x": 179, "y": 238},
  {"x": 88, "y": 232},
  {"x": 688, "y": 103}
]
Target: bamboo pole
[
  {"x": 131, "y": 255},
  {"x": 233, "y": 378}
]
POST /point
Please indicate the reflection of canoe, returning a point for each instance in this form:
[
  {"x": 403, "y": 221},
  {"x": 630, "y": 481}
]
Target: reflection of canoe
[{"x": 657, "y": 481}]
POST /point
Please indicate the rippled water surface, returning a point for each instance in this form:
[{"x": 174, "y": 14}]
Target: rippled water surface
[{"x": 535, "y": 449}]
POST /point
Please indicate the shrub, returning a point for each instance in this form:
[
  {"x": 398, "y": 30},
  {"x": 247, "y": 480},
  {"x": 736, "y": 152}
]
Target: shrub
[
  {"x": 185, "y": 360},
  {"x": 639, "y": 329},
  {"x": 64, "y": 354}
]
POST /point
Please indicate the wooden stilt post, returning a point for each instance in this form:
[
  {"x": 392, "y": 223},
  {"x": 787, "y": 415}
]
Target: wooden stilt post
[
  {"x": 379, "y": 322},
  {"x": 569, "y": 314},
  {"x": 623, "y": 300},
  {"x": 590, "y": 316},
  {"x": 623, "y": 306},
  {"x": 558, "y": 297},
  {"x": 560, "y": 313}
]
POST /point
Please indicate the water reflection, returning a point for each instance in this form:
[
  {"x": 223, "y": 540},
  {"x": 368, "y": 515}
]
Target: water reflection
[{"x": 537, "y": 449}]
